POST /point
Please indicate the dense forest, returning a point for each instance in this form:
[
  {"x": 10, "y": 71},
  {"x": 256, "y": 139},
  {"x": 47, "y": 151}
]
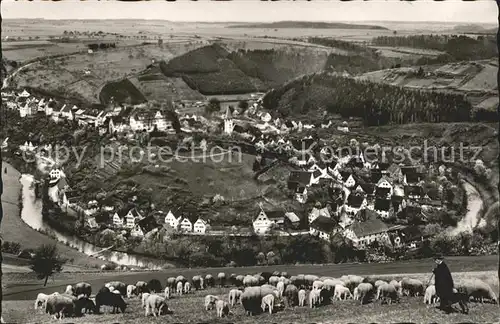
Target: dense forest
[
  {"x": 457, "y": 48},
  {"x": 377, "y": 104}
]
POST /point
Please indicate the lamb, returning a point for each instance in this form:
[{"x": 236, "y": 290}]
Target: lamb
[
  {"x": 397, "y": 285},
  {"x": 234, "y": 296},
  {"x": 281, "y": 288},
  {"x": 430, "y": 295},
  {"x": 179, "y": 288},
  {"x": 268, "y": 301},
  {"x": 155, "y": 304},
  {"x": 342, "y": 293},
  {"x": 167, "y": 293},
  {"x": 131, "y": 291},
  {"x": 41, "y": 299},
  {"x": 387, "y": 292},
  {"x": 222, "y": 308},
  {"x": 69, "y": 290},
  {"x": 302, "y": 297},
  {"x": 362, "y": 291},
  {"x": 314, "y": 298},
  {"x": 144, "y": 298},
  {"x": 379, "y": 283},
  {"x": 317, "y": 284},
  {"x": 210, "y": 301},
  {"x": 187, "y": 287}
]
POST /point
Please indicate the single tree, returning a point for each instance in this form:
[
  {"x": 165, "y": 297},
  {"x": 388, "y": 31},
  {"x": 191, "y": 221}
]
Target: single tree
[
  {"x": 46, "y": 262},
  {"x": 243, "y": 105},
  {"x": 213, "y": 106}
]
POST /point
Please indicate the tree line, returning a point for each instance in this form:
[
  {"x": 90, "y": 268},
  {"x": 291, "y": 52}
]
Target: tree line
[{"x": 376, "y": 103}]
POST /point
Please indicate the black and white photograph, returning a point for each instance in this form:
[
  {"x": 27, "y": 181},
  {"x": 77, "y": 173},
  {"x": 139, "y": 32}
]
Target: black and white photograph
[{"x": 249, "y": 162}]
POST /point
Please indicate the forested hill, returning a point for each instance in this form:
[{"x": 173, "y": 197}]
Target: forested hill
[
  {"x": 308, "y": 24},
  {"x": 377, "y": 104}
]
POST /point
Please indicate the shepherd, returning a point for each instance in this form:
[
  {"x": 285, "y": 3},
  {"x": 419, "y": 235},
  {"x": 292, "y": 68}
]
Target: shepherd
[{"x": 444, "y": 284}]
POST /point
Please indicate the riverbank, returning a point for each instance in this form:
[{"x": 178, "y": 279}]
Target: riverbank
[{"x": 15, "y": 230}]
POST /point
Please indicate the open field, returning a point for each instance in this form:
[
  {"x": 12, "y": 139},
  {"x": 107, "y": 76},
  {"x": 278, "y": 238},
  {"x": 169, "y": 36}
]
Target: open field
[
  {"x": 15, "y": 230},
  {"x": 19, "y": 298}
]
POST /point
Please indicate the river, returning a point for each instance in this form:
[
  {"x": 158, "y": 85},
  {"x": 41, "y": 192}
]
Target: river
[
  {"x": 31, "y": 214},
  {"x": 474, "y": 206}
]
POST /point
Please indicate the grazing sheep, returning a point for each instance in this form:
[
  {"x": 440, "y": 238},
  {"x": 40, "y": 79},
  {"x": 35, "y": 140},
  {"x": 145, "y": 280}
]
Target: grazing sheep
[
  {"x": 210, "y": 301},
  {"x": 314, "y": 298},
  {"x": 187, "y": 287},
  {"x": 317, "y": 284},
  {"x": 292, "y": 295},
  {"x": 142, "y": 287},
  {"x": 273, "y": 280},
  {"x": 196, "y": 280},
  {"x": 120, "y": 286},
  {"x": 351, "y": 281},
  {"x": 379, "y": 283},
  {"x": 430, "y": 295},
  {"x": 412, "y": 287},
  {"x": 234, "y": 296},
  {"x": 154, "y": 285},
  {"x": 60, "y": 305},
  {"x": 342, "y": 293},
  {"x": 362, "y": 291},
  {"x": 239, "y": 280},
  {"x": 251, "y": 299},
  {"x": 166, "y": 294},
  {"x": 144, "y": 297},
  {"x": 302, "y": 297},
  {"x": 156, "y": 304},
  {"x": 309, "y": 280},
  {"x": 268, "y": 301},
  {"x": 209, "y": 280},
  {"x": 478, "y": 289},
  {"x": 222, "y": 308},
  {"x": 180, "y": 278},
  {"x": 82, "y": 288},
  {"x": 179, "y": 288},
  {"x": 388, "y": 293},
  {"x": 397, "y": 285},
  {"x": 250, "y": 281},
  {"x": 171, "y": 282},
  {"x": 110, "y": 299},
  {"x": 221, "y": 278},
  {"x": 280, "y": 286},
  {"x": 131, "y": 291},
  {"x": 330, "y": 284},
  {"x": 41, "y": 299}
]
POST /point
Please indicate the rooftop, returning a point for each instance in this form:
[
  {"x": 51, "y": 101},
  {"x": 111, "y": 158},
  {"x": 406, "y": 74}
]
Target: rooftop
[{"x": 369, "y": 227}]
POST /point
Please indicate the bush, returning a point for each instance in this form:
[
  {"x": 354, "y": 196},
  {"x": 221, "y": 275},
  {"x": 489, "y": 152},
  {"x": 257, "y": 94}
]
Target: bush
[{"x": 11, "y": 247}]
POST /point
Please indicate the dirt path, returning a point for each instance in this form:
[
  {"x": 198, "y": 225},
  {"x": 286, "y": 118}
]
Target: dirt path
[{"x": 474, "y": 207}]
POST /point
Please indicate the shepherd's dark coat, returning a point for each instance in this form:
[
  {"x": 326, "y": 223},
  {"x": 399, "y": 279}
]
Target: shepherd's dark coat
[{"x": 444, "y": 281}]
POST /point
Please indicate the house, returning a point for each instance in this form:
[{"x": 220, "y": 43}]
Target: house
[
  {"x": 324, "y": 227},
  {"x": 292, "y": 220},
  {"x": 266, "y": 118},
  {"x": 299, "y": 179},
  {"x": 317, "y": 212},
  {"x": 344, "y": 127},
  {"x": 186, "y": 225},
  {"x": 49, "y": 107},
  {"x": 365, "y": 233},
  {"x": 148, "y": 224},
  {"x": 395, "y": 173},
  {"x": 228, "y": 122},
  {"x": 132, "y": 217},
  {"x": 200, "y": 226},
  {"x": 413, "y": 191},
  {"x": 366, "y": 188},
  {"x": 24, "y": 111},
  {"x": 118, "y": 218},
  {"x": 265, "y": 220},
  {"x": 398, "y": 203},
  {"x": 409, "y": 236},
  {"x": 383, "y": 207},
  {"x": 93, "y": 116},
  {"x": 116, "y": 124},
  {"x": 66, "y": 112},
  {"x": 355, "y": 202},
  {"x": 171, "y": 220},
  {"x": 411, "y": 175},
  {"x": 137, "y": 231},
  {"x": 383, "y": 188},
  {"x": 301, "y": 194},
  {"x": 91, "y": 223},
  {"x": 55, "y": 173},
  {"x": 24, "y": 94},
  {"x": 149, "y": 120},
  {"x": 365, "y": 214},
  {"x": 349, "y": 181}
]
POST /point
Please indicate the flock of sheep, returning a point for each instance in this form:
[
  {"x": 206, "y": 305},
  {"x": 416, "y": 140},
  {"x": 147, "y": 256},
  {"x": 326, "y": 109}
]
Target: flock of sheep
[{"x": 258, "y": 293}]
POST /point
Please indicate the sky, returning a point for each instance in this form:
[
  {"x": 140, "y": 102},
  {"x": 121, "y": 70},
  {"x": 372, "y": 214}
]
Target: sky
[{"x": 480, "y": 11}]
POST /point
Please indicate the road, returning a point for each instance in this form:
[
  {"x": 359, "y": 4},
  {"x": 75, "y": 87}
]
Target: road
[
  {"x": 474, "y": 206},
  {"x": 29, "y": 290}
]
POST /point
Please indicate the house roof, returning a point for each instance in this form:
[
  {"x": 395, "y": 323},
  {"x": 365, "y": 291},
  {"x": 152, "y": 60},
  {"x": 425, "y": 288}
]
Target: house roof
[
  {"x": 367, "y": 187},
  {"x": 292, "y": 217},
  {"x": 366, "y": 214},
  {"x": 275, "y": 215},
  {"x": 148, "y": 224},
  {"x": 393, "y": 168},
  {"x": 345, "y": 175},
  {"x": 413, "y": 177},
  {"x": 382, "y": 179},
  {"x": 369, "y": 227},
  {"x": 65, "y": 108},
  {"x": 375, "y": 176},
  {"x": 135, "y": 212},
  {"x": 317, "y": 173},
  {"x": 413, "y": 190},
  {"x": 382, "y": 192},
  {"x": 320, "y": 212},
  {"x": 382, "y": 204},
  {"x": 355, "y": 200},
  {"x": 408, "y": 169},
  {"x": 300, "y": 177},
  {"x": 324, "y": 224}
]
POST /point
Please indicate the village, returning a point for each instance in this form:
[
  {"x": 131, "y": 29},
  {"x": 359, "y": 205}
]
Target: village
[{"x": 370, "y": 200}]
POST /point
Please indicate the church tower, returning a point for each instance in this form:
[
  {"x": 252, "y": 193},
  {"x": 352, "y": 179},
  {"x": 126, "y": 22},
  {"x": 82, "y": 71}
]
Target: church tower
[{"x": 228, "y": 122}]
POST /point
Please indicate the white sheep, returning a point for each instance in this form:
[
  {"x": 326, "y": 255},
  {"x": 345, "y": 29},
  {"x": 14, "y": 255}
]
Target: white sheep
[
  {"x": 210, "y": 301},
  {"x": 234, "y": 296},
  {"x": 478, "y": 289},
  {"x": 302, "y": 297},
  {"x": 430, "y": 295},
  {"x": 143, "y": 299},
  {"x": 222, "y": 308},
  {"x": 281, "y": 288},
  {"x": 362, "y": 290},
  {"x": 41, "y": 299},
  {"x": 167, "y": 293},
  {"x": 314, "y": 298},
  {"x": 268, "y": 301},
  {"x": 342, "y": 293},
  {"x": 187, "y": 287},
  {"x": 179, "y": 288},
  {"x": 388, "y": 293},
  {"x": 131, "y": 291}
]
